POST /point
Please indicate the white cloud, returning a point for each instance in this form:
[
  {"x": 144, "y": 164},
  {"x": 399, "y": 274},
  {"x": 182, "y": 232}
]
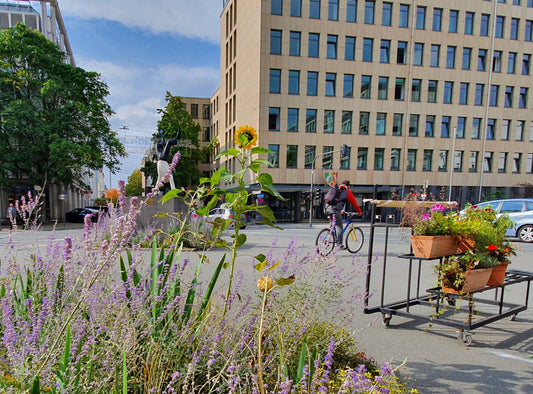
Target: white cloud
[{"x": 198, "y": 19}]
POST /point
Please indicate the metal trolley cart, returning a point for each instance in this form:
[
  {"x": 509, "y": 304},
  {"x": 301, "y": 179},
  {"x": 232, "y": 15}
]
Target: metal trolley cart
[{"x": 438, "y": 300}]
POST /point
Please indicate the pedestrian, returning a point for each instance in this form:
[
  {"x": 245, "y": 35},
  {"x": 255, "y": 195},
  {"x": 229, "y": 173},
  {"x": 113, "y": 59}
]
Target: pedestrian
[
  {"x": 336, "y": 199},
  {"x": 12, "y": 215}
]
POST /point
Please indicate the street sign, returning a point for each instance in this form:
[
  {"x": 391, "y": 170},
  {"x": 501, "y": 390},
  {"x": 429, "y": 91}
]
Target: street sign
[
  {"x": 331, "y": 178},
  {"x": 87, "y": 196}
]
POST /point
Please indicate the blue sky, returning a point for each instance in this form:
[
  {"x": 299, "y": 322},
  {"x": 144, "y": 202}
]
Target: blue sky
[{"x": 143, "y": 49}]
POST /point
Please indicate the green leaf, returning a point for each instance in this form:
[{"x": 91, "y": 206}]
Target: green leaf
[
  {"x": 230, "y": 152},
  {"x": 301, "y": 362},
  {"x": 254, "y": 167},
  {"x": 259, "y": 149},
  {"x": 261, "y": 257},
  {"x": 273, "y": 266},
  {"x": 259, "y": 266},
  {"x": 36, "y": 386},
  {"x": 211, "y": 285},
  {"x": 170, "y": 195},
  {"x": 240, "y": 240},
  {"x": 124, "y": 370},
  {"x": 285, "y": 281},
  {"x": 262, "y": 162}
]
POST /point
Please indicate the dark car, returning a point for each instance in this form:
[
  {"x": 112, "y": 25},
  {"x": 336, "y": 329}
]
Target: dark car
[{"x": 78, "y": 215}]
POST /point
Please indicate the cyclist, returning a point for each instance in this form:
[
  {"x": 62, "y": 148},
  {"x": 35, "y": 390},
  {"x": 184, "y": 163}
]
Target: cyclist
[{"x": 337, "y": 204}]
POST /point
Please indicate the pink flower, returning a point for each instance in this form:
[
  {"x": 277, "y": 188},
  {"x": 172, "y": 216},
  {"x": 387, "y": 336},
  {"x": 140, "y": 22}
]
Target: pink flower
[
  {"x": 438, "y": 207},
  {"x": 426, "y": 216}
]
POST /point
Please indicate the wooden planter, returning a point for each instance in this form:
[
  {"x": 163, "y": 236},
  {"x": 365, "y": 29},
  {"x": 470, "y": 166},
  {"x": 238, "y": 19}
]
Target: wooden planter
[
  {"x": 498, "y": 274},
  {"x": 465, "y": 244},
  {"x": 429, "y": 246},
  {"x": 474, "y": 280}
]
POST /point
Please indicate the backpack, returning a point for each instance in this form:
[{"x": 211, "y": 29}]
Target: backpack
[{"x": 332, "y": 196}]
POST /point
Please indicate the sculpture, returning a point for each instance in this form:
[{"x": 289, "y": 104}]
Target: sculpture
[{"x": 163, "y": 153}]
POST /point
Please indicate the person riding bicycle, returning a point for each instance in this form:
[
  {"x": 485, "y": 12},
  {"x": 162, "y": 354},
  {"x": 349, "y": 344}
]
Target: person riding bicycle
[{"x": 336, "y": 204}]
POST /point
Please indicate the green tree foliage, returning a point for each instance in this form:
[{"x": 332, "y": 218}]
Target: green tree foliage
[
  {"x": 134, "y": 186},
  {"x": 175, "y": 117},
  {"x": 55, "y": 124}
]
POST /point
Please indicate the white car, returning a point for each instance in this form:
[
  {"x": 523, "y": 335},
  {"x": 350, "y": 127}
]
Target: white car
[{"x": 225, "y": 214}]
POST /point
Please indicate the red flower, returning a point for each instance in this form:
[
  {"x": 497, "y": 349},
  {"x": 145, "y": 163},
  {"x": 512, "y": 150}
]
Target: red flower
[{"x": 492, "y": 247}]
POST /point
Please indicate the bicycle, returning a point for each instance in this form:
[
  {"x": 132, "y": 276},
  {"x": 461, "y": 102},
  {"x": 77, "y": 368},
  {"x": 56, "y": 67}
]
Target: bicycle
[{"x": 326, "y": 239}]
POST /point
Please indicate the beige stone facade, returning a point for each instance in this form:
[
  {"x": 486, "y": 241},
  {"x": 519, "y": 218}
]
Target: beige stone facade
[{"x": 299, "y": 71}]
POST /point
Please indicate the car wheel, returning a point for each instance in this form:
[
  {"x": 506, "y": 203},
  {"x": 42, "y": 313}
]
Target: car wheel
[{"x": 525, "y": 233}]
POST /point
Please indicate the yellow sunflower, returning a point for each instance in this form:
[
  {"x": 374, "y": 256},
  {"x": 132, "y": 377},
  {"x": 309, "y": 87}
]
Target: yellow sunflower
[{"x": 246, "y": 137}]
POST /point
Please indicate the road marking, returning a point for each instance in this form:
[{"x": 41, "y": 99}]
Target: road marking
[{"x": 506, "y": 355}]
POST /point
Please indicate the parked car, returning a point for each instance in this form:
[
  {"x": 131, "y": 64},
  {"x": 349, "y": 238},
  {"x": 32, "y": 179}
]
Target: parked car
[
  {"x": 78, "y": 215},
  {"x": 226, "y": 213},
  {"x": 520, "y": 211}
]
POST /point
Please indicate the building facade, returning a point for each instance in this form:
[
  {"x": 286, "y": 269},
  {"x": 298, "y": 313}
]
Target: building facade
[{"x": 423, "y": 92}]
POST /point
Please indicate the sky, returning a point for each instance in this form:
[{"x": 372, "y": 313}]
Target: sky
[{"x": 143, "y": 49}]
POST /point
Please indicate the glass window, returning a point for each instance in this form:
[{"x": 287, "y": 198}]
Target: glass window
[
  {"x": 312, "y": 83},
  {"x": 273, "y": 155},
  {"x": 386, "y": 14},
  {"x": 364, "y": 119},
  {"x": 331, "y": 82},
  {"x": 395, "y": 159},
  {"x": 275, "y": 80},
  {"x": 520, "y": 125},
  {"x": 526, "y": 62},
  {"x": 401, "y": 53},
  {"x": 515, "y": 24},
  {"x": 472, "y": 162},
  {"x": 502, "y": 162},
  {"x": 383, "y": 87},
  {"x": 273, "y": 119},
  {"x": 381, "y": 123},
  {"x": 292, "y": 119},
  {"x": 399, "y": 89},
  {"x": 347, "y": 90},
  {"x": 476, "y": 128},
  {"x": 362, "y": 158},
  {"x": 296, "y": 8},
  {"x": 404, "y": 15},
  {"x": 428, "y": 160},
  {"x": 327, "y": 157},
  {"x": 458, "y": 161},
  {"x": 517, "y": 158},
  {"x": 529, "y": 164},
  {"x": 314, "y": 45},
  {"x": 411, "y": 160},
  {"x": 491, "y": 129},
  {"x": 435, "y": 54},
  {"x": 450, "y": 57},
  {"x": 461, "y": 127},
  {"x": 276, "y": 7},
  {"x": 345, "y": 160},
  {"x": 469, "y": 23},
  {"x": 384, "y": 52},
  {"x": 413, "y": 125},
  {"x": 333, "y": 10},
  {"x": 275, "y": 42},
  {"x": 493, "y": 97},
  {"x": 351, "y": 11},
  {"x": 310, "y": 121},
  {"x": 478, "y": 99},
  {"x": 454, "y": 18},
  {"x": 292, "y": 156},
  {"x": 329, "y": 121},
  {"x": 430, "y": 126},
  {"x": 332, "y": 47},
  {"x": 511, "y": 64},
  {"x": 370, "y": 6},
  {"x": 379, "y": 156},
  {"x": 314, "y": 9},
  {"x": 368, "y": 46},
  {"x": 497, "y": 62},
  {"x": 416, "y": 89},
  {"x": 463, "y": 93},
  {"x": 419, "y": 54},
  {"x": 437, "y": 19},
  {"x": 366, "y": 82},
  {"x": 349, "y": 48},
  {"x": 397, "y": 124},
  {"x": 509, "y": 92},
  {"x": 346, "y": 125},
  {"x": 506, "y": 124},
  {"x": 294, "y": 45},
  {"x": 500, "y": 26},
  {"x": 522, "y": 103},
  {"x": 484, "y": 27},
  {"x": 487, "y": 162},
  {"x": 481, "y": 59},
  {"x": 432, "y": 91},
  {"x": 467, "y": 55},
  {"x": 443, "y": 160},
  {"x": 294, "y": 82},
  {"x": 528, "y": 31},
  {"x": 420, "y": 17},
  {"x": 445, "y": 127},
  {"x": 310, "y": 155}
]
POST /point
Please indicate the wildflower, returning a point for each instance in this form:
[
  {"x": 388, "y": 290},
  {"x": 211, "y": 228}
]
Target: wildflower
[
  {"x": 492, "y": 247},
  {"x": 246, "y": 137},
  {"x": 426, "y": 216}
]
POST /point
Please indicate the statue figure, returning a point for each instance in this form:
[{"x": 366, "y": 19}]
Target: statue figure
[{"x": 163, "y": 154}]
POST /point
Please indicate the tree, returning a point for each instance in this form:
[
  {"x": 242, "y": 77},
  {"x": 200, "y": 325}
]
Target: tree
[
  {"x": 55, "y": 124},
  {"x": 176, "y": 118},
  {"x": 134, "y": 186}
]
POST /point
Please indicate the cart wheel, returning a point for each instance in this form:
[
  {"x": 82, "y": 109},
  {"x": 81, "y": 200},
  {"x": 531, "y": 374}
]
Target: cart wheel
[
  {"x": 386, "y": 319},
  {"x": 513, "y": 317},
  {"x": 464, "y": 338}
]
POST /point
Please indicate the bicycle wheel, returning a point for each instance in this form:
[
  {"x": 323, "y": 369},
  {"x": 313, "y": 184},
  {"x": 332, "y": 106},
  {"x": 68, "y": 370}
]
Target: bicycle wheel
[
  {"x": 354, "y": 239},
  {"x": 325, "y": 242}
]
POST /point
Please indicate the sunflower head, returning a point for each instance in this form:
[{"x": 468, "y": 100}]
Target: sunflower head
[{"x": 246, "y": 137}]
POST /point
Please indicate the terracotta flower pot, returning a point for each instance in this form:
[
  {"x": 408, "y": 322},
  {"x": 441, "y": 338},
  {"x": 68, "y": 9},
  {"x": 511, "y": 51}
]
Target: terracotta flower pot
[
  {"x": 498, "y": 274},
  {"x": 465, "y": 244},
  {"x": 474, "y": 280},
  {"x": 430, "y": 246}
]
